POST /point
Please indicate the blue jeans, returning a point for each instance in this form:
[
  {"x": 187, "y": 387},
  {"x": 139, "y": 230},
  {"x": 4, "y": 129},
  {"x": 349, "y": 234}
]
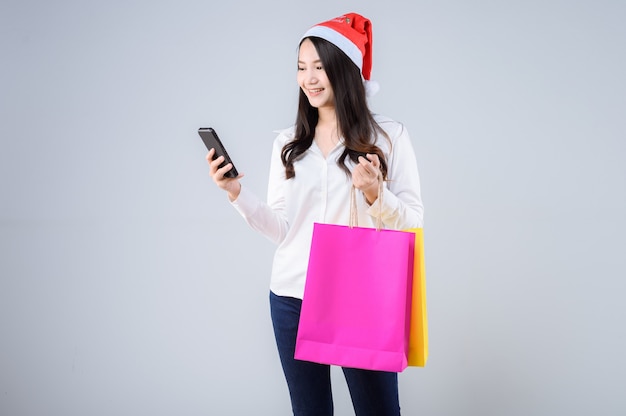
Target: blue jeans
[{"x": 373, "y": 393}]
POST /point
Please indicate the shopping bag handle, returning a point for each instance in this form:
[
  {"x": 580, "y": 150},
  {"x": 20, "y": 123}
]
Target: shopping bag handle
[{"x": 354, "y": 215}]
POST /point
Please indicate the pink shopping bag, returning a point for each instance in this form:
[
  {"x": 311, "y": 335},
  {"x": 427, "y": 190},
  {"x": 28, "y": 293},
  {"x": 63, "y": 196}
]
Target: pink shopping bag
[{"x": 357, "y": 302}]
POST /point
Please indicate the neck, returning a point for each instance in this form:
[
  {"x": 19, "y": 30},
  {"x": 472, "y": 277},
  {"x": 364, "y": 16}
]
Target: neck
[
  {"x": 326, "y": 132},
  {"x": 326, "y": 117}
]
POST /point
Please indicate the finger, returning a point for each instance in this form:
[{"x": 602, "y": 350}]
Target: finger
[
  {"x": 215, "y": 169},
  {"x": 369, "y": 169},
  {"x": 222, "y": 171},
  {"x": 216, "y": 162},
  {"x": 362, "y": 177},
  {"x": 374, "y": 159},
  {"x": 364, "y": 163},
  {"x": 209, "y": 156},
  {"x": 359, "y": 172}
]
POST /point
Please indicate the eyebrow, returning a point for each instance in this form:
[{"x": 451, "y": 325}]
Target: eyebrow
[{"x": 318, "y": 61}]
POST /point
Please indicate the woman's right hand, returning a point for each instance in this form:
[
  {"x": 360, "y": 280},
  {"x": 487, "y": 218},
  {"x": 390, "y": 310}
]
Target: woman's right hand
[{"x": 230, "y": 185}]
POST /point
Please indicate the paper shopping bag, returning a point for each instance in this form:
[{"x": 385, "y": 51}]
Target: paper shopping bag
[
  {"x": 357, "y": 300},
  {"x": 418, "y": 341}
]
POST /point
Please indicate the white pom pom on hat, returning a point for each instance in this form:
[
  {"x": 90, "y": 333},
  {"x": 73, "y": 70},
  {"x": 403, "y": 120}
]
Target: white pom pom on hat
[{"x": 352, "y": 33}]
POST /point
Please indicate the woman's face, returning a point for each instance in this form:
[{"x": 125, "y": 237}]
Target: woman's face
[{"x": 312, "y": 77}]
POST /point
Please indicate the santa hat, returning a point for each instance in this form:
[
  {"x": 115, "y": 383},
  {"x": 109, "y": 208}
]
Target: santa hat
[{"x": 352, "y": 34}]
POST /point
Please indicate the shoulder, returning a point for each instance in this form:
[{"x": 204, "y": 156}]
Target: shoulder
[
  {"x": 284, "y": 136},
  {"x": 393, "y": 128}
]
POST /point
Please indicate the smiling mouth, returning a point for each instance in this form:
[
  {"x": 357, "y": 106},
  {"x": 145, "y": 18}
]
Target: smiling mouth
[{"x": 316, "y": 91}]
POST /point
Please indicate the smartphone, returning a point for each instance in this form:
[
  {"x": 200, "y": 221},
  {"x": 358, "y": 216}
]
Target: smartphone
[{"x": 211, "y": 141}]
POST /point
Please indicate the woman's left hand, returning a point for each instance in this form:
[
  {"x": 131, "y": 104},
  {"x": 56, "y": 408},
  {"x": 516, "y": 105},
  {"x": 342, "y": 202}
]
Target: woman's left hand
[{"x": 366, "y": 176}]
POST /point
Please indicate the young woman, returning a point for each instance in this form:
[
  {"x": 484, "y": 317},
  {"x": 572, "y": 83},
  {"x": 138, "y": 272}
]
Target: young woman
[{"x": 336, "y": 143}]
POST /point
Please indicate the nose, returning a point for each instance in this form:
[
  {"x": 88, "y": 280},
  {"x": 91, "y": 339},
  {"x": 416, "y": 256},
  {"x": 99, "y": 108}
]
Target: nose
[{"x": 310, "y": 77}]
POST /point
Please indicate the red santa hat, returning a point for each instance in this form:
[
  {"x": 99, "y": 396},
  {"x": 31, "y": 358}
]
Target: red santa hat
[{"x": 352, "y": 34}]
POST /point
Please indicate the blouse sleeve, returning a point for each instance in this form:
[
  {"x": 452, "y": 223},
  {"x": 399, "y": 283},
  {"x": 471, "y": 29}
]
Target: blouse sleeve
[
  {"x": 269, "y": 218},
  {"x": 402, "y": 203}
]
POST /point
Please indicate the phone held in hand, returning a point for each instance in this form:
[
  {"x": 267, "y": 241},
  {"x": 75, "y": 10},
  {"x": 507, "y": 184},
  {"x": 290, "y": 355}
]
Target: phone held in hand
[{"x": 211, "y": 141}]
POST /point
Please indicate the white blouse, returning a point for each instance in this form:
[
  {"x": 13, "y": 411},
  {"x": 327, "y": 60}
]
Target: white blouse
[{"x": 320, "y": 192}]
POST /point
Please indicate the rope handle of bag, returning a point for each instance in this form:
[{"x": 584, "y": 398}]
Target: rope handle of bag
[{"x": 354, "y": 215}]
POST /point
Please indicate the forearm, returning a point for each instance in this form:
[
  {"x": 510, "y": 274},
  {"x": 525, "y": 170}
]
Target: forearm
[
  {"x": 260, "y": 216},
  {"x": 399, "y": 212}
]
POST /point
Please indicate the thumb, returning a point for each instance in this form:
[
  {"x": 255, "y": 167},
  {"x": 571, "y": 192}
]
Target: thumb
[{"x": 374, "y": 159}]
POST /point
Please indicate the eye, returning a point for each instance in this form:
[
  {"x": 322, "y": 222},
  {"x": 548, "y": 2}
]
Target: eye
[
  {"x": 300, "y": 68},
  {"x": 319, "y": 68}
]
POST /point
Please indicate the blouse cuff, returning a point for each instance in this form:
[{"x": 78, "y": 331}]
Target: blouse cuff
[
  {"x": 390, "y": 205},
  {"x": 246, "y": 203}
]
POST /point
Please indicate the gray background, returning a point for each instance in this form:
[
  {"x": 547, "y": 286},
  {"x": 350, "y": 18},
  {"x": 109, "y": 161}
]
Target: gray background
[{"x": 130, "y": 287}]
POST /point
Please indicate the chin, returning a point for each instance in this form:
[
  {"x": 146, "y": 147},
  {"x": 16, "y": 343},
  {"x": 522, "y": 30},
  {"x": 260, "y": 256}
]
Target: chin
[{"x": 319, "y": 103}]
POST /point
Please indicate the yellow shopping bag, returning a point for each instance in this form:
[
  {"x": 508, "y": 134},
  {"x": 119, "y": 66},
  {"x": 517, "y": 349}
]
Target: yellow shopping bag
[{"x": 418, "y": 340}]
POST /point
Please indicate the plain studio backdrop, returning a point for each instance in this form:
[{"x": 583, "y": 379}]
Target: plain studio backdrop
[{"x": 129, "y": 285}]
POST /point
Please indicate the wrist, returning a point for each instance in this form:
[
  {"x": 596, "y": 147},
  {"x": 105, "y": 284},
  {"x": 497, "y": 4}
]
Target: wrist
[
  {"x": 371, "y": 193},
  {"x": 233, "y": 194}
]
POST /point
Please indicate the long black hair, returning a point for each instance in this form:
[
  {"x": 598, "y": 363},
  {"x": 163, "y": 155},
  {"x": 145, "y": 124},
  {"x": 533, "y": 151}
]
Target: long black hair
[{"x": 355, "y": 121}]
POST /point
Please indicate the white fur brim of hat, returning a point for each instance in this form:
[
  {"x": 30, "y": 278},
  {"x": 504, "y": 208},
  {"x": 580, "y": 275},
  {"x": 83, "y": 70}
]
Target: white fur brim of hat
[
  {"x": 340, "y": 41},
  {"x": 347, "y": 47}
]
